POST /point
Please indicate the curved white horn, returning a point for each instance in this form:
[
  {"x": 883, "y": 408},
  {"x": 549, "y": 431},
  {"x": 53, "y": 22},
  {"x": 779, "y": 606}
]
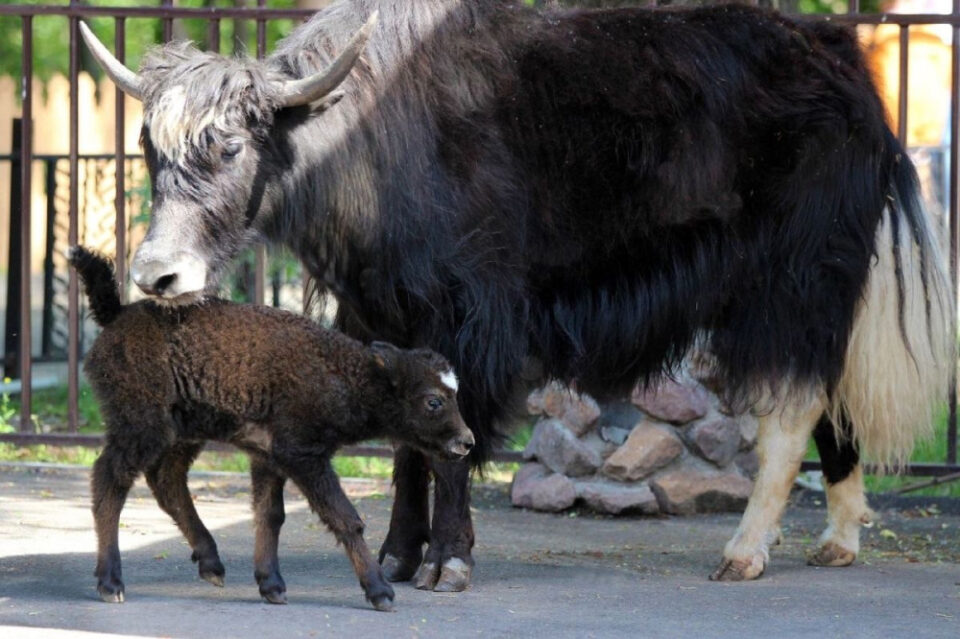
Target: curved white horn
[
  {"x": 124, "y": 78},
  {"x": 311, "y": 89}
]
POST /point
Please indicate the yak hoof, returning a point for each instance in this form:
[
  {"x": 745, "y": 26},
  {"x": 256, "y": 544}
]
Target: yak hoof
[
  {"x": 739, "y": 569},
  {"x": 427, "y": 576},
  {"x": 395, "y": 569},
  {"x": 455, "y": 576},
  {"x": 831, "y": 554},
  {"x": 110, "y": 596},
  {"x": 275, "y": 597}
]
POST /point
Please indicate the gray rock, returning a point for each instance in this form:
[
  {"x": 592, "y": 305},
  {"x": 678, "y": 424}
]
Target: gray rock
[
  {"x": 576, "y": 411},
  {"x": 616, "y": 421},
  {"x": 648, "y": 448},
  {"x": 672, "y": 401},
  {"x": 535, "y": 487},
  {"x": 749, "y": 426},
  {"x": 748, "y": 463},
  {"x": 615, "y": 498},
  {"x": 555, "y": 446},
  {"x": 687, "y": 491},
  {"x": 716, "y": 439}
]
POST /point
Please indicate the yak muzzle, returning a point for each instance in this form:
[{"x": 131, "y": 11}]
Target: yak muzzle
[
  {"x": 461, "y": 445},
  {"x": 182, "y": 274}
]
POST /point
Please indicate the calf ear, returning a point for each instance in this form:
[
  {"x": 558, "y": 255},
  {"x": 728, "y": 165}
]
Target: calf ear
[{"x": 386, "y": 359}]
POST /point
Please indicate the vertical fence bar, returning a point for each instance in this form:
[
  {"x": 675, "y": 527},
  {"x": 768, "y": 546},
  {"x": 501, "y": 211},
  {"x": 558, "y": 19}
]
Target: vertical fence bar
[
  {"x": 954, "y": 215},
  {"x": 50, "y": 189},
  {"x": 167, "y": 22},
  {"x": 11, "y": 332},
  {"x": 213, "y": 35},
  {"x": 120, "y": 196},
  {"x": 260, "y": 259},
  {"x": 26, "y": 164},
  {"x": 853, "y": 6},
  {"x": 73, "y": 302},
  {"x": 904, "y": 76}
]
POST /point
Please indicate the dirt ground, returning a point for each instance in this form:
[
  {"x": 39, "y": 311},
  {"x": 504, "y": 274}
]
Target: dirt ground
[{"x": 566, "y": 575}]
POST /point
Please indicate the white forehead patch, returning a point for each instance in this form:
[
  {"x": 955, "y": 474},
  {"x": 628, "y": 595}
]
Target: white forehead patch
[
  {"x": 172, "y": 129},
  {"x": 449, "y": 380}
]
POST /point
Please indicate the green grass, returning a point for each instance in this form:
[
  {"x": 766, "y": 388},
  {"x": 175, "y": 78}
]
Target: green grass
[{"x": 49, "y": 406}]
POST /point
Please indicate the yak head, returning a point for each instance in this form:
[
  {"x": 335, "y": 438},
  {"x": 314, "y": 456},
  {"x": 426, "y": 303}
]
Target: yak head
[{"x": 213, "y": 163}]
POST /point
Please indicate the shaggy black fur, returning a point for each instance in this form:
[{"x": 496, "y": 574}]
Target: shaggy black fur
[{"x": 273, "y": 383}]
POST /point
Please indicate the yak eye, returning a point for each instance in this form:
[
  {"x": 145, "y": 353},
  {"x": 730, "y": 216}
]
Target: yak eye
[
  {"x": 231, "y": 149},
  {"x": 435, "y": 403}
]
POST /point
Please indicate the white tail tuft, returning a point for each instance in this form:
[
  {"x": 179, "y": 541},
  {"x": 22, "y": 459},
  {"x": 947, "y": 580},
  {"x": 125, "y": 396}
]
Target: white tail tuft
[{"x": 894, "y": 384}]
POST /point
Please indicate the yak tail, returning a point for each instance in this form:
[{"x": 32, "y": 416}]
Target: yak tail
[
  {"x": 99, "y": 281},
  {"x": 898, "y": 361}
]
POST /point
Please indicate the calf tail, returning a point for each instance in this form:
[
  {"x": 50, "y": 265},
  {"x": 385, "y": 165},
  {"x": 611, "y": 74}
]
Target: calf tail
[
  {"x": 96, "y": 273},
  {"x": 902, "y": 347}
]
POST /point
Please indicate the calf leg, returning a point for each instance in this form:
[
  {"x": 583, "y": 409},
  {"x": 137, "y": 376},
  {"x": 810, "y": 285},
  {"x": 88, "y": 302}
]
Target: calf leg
[
  {"x": 113, "y": 474},
  {"x": 322, "y": 489},
  {"x": 168, "y": 481},
  {"x": 268, "y": 516},
  {"x": 781, "y": 444},
  {"x": 402, "y": 550},
  {"x": 847, "y": 508},
  {"x": 448, "y": 563}
]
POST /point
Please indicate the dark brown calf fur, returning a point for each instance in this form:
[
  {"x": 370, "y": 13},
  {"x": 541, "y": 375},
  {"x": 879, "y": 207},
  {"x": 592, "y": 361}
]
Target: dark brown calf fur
[{"x": 286, "y": 391}]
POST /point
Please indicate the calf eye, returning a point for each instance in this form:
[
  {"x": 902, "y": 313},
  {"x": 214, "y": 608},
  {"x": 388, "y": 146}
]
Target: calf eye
[
  {"x": 231, "y": 149},
  {"x": 435, "y": 403}
]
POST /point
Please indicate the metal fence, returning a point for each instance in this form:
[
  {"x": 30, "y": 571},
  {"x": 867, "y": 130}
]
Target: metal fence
[{"x": 260, "y": 15}]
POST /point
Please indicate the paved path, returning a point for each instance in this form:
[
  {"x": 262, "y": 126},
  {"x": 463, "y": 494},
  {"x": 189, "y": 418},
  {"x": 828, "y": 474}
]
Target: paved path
[{"x": 538, "y": 575}]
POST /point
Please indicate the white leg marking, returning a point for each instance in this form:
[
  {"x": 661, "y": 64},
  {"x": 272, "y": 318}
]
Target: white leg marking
[
  {"x": 847, "y": 511},
  {"x": 781, "y": 444}
]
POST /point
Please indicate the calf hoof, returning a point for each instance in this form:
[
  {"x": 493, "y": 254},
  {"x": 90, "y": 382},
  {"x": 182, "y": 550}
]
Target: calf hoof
[
  {"x": 396, "y": 569},
  {"x": 380, "y": 596},
  {"x": 383, "y": 603},
  {"x": 739, "y": 569},
  {"x": 110, "y": 593},
  {"x": 210, "y": 568},
  {"x": 273, "y": 589},
  {"x": 831, "y": 554}
]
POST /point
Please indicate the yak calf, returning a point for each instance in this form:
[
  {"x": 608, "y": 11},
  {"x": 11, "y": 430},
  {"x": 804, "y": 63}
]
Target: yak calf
[{"x": 275, "y": 384}]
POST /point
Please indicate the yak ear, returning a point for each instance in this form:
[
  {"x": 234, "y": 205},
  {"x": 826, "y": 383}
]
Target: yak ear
[{"x": 386, "y": 359}]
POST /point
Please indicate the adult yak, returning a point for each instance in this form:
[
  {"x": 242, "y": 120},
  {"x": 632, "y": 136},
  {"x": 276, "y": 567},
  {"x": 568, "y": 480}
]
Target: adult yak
[{"x": 579, "y": 195}]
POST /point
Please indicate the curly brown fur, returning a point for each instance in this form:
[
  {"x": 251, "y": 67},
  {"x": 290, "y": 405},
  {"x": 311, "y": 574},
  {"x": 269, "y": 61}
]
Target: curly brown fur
[{"x": 273, "y": 383}]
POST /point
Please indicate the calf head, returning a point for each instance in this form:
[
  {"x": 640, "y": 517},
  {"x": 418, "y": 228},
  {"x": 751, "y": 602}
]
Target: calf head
[
  {"x": 214, "y": 163},
  {"x": 424, "y": 411}
]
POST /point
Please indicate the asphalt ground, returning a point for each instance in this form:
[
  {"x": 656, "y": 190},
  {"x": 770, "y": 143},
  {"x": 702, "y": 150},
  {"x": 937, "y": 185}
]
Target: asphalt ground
[{"x": 537, "y": 575}]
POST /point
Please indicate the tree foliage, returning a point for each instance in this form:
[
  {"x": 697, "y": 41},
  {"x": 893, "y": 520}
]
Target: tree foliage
[{"x": 51, "y": 42}]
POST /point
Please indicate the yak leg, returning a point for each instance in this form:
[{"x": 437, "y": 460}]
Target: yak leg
[
  {"x": 168, "y": 481},
  {"x": 268, "y": 517},
  {"x": 847, "y": 508},
  {"x": 113, "y": 474},
  {"x": 402, "y": 551},
  {"x": 322, "y": 489},
  {"x": 781, "y": 444},
  {"x": 448, "y": 563}
]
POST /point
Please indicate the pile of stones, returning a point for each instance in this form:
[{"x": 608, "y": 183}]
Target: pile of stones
[{"x": 674, "y": 448}]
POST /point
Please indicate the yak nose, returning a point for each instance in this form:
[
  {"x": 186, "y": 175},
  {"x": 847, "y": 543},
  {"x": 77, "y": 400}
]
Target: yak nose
[
  {"x": 153, "y": 278},
  {"x": 461, "y": 445},
  {"x": 162, "y": 278}
]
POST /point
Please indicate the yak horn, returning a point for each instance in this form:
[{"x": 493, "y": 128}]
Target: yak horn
[
  {"x": 314, "y": 87},
  {"x": 124, "y": 78}
]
